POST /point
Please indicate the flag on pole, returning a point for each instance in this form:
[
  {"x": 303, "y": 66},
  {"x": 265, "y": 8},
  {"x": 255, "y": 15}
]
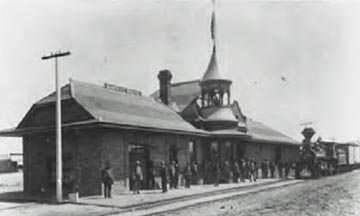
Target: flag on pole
[
  {"x": 213, "y": 26},
  {"x": 213, "y": 23}
]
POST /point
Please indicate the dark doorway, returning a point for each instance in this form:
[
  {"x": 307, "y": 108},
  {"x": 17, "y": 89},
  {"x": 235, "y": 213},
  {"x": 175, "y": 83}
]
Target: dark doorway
[
  {"x": 139, "y": 153},
  {"x": 240, "y": 150},
  {"x": 173, "y": 153},
  {"x": 277, "y": 154}
]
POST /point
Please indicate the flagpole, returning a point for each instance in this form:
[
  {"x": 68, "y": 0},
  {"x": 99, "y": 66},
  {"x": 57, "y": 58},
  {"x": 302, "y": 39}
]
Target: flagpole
[{"x": 213, "y": 23}]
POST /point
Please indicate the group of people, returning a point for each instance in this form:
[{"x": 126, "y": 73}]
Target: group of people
[
  {"x": 171, "y": 174},
  {"x": 283, "y": 169},
  {"x": 213, "y": 172},
  {"x": 240, "y": 171},
  {"x": 226, "y": 172}
]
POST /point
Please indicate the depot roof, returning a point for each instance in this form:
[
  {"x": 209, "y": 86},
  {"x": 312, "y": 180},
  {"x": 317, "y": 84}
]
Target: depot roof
[{"x": 104, "y": 105}]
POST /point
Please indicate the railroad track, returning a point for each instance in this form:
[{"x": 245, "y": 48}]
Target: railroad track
[{"x": 168, "y": 205}]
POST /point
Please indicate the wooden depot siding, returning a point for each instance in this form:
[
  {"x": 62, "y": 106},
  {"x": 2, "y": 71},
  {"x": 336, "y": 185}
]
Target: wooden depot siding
[
  {"x": 116, "y": 145},
  {"x": 81, "y": 159}
]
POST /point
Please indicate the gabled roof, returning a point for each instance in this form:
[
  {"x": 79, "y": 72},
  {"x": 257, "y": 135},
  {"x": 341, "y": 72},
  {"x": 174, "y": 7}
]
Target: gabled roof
[
  {"x": 114, "y": 107},
  {"x": 102, "y": 105},
  {"x": 260, "y": 132},
  {"x": 65, "y": 95}
]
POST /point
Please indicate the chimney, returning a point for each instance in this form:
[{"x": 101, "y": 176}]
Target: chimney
[{"x": 164, "y": 77}]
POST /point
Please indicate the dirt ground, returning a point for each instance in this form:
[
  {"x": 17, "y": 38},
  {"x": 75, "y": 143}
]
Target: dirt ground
[
  {"x": 336, "y": 195},
  {"x": 11, "y": 182}
]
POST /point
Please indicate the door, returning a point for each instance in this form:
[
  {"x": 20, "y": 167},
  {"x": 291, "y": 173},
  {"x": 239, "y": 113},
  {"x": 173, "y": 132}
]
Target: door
[{"x": 139, "y": 153}]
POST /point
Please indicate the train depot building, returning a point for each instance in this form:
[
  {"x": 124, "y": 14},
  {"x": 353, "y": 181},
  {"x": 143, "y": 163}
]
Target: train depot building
[{"x": 194, "y": 121}]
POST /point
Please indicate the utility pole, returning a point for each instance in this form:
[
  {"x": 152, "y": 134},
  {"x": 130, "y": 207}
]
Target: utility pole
[{"x": 58, "y": 124}]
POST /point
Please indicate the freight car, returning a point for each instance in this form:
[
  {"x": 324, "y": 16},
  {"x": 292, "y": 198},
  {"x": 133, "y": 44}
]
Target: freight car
[{"x": 348, "y": 156}]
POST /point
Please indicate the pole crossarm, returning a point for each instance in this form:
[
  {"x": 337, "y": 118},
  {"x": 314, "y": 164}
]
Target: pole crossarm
[
  {"x": 56, "y": 55},
  {"x": 306, "y": 124}
]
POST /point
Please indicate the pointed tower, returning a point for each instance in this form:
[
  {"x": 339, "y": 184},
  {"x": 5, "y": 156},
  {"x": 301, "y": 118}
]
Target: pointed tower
[{"x": 215, "y": 91}]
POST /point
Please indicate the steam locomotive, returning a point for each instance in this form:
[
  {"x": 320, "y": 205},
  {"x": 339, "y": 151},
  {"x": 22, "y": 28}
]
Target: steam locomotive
[{"x": 321, "y": 158}]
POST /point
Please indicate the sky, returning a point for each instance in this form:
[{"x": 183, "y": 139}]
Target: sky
[{"x": 290, "y": 61}]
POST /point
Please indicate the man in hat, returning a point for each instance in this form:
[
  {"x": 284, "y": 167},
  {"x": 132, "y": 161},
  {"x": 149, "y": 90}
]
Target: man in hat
[
  {"x": 107, "y": 177},
  {"x": 243, "y": 171},
  {"x": 272, "y": 169},
  {"x": 163, "y": 176},
  {"x": 138, "y": 177},
  {"x": 236, "y": 172},
  {"x": 172, "y": 173}
]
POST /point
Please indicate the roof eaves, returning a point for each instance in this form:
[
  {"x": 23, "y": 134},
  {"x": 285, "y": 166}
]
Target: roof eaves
[
  {"x": 273, "y": 141},
  {"x": 153, "y": 129},
  {"x": 18, "y": 132}
]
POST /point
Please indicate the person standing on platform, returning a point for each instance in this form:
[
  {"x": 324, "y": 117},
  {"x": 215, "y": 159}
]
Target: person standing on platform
[
  {"x": 280, "y": 169},
  {"x": 236, "y": 172},
  {"x": 172, "y": 174},
  {"x": 187, "y": 176},
  {"x": 138, "y": 178},
  {"x": 256, "y": 169},
  {"x": 252, "y": 175},
  {"x": 176, "y": 179},
  {"x": 287, "y": 168},
  {"x": 266, "y": 169},
  {"x": 217, "y": 174},
  {"x": 248, "y": 169},
  {"x": 163, "y": 176},
  {"x": 195, "y": 173},
  {"x": 263, "y": 169},
  {"x": 243, "y": 170},
  {"x": 272, "y": 169},
  {"x": 227, "y": 172},
  {"x": 107, "y": 177},
  {"x": 151, "y": 175}
]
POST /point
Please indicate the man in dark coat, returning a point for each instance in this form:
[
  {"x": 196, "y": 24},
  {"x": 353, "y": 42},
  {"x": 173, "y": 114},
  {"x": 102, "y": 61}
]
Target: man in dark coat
[
  {"x": 243, "y": 170},
  {"x": 107, "y": 177},
  {"x": 163, "y": 176},
  {"x": 217, "y": 173},
  {"x": 266, "y": 170},
  {"x": 272, "y": 169},
  {"x": 176, "y": 179},
  {"x": 151, "y": 175},
  {"x": 236, "y": 171},
  {"x": 263, "y": 169},
  {"x": 280, "y": 169}
]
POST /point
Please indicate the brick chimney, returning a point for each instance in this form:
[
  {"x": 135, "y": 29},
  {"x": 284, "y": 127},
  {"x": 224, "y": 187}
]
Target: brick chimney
[{"x": 164, "y": 77}]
